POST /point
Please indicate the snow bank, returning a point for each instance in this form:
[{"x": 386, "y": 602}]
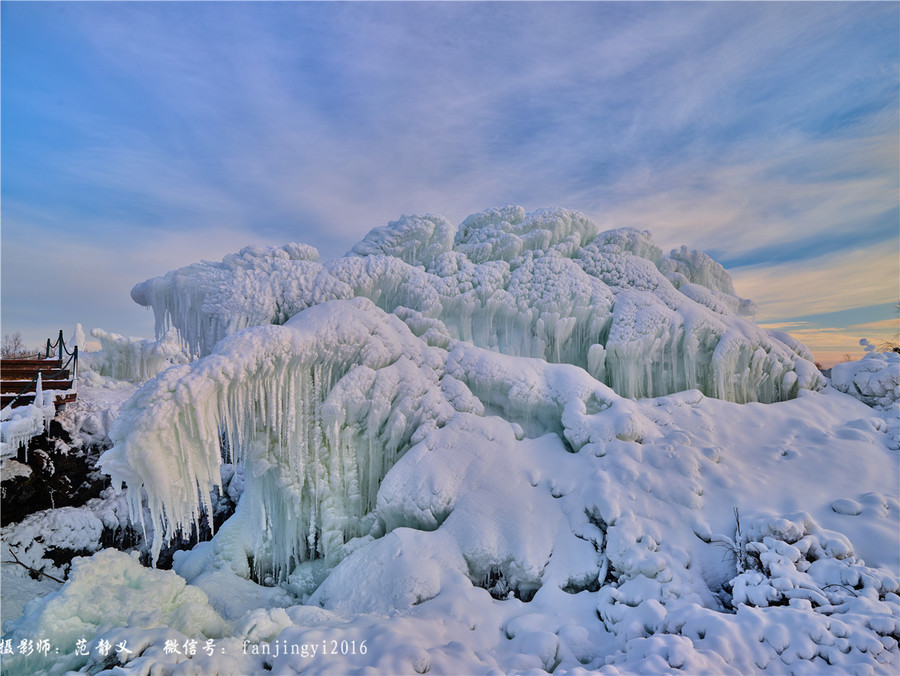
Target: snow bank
[
  {"x": 545, "y": 284},
  {"x": 109, "y": 590}
]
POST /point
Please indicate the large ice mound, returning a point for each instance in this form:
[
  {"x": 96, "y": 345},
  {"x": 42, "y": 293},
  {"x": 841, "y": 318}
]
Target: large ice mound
[
  {"x": 472, "y": 510},
  {"x": 545, "y": 284},
  {"x": 317, "y": 378}
]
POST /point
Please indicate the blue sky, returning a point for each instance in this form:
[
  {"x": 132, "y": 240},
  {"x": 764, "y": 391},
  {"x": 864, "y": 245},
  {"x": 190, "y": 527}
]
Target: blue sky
[{"x": 140, "y": 137}]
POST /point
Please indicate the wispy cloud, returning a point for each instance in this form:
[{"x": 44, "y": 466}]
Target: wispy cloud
[
  {"x": 837, "y": 281},
  {"x": 786, "y": 202},
  {"x": 764, "y": 133}
]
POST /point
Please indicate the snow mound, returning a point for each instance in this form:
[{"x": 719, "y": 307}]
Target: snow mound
[
  {"x": 874, "y": 379},
  {"x": 109, "y": 590},
  {"x": 544, "y": 284}
]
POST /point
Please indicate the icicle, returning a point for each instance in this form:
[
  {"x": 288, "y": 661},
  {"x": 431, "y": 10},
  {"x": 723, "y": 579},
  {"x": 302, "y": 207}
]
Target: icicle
[
  {"x": 39, "y": 392},
  {"x": 78, "y": 338},
  {"x": 317, "y": 411}
]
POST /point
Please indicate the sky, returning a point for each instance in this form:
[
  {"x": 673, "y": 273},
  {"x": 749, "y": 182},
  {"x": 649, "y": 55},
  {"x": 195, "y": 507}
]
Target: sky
[{"x": 136, "y": 138}]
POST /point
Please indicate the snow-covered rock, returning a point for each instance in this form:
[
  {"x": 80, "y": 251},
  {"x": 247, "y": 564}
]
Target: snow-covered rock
[
  {"x": 874, "y": 379},
  {"x": 19, "y": 425}
]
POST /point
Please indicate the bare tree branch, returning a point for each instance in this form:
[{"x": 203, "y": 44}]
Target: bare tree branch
[{"x": 33, "y": 571}]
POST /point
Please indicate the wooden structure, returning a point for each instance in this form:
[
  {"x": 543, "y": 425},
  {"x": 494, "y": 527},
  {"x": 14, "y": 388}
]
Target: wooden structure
[{"x": 18, "y": 377}]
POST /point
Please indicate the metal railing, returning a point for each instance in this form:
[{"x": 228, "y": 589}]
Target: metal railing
[{"x": 63, "y": 350}]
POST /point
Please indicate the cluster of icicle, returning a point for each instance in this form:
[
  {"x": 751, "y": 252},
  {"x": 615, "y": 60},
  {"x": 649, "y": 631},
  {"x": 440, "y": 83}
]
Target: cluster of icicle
[
  {"x": 19, "y": 425},
  {"x": 134, "y": 359},
  {"x": 545, "y": 284},
  {"x": 316, "y": 410},
  {"x": 317, "y": 378}
]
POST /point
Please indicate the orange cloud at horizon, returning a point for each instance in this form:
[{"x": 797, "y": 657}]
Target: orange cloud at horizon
[
  {"x": 786, "y": 293},
  {"x": 831, "y": 346},
  {"x": 841, "y": 281}
]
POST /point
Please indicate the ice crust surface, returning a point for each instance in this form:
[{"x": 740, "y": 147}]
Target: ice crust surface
[{"x": 520, "y": 445}]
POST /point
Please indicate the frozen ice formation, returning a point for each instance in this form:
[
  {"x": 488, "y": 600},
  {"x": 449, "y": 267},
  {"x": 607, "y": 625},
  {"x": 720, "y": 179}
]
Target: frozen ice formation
[
  {"x": 318, "y": 378},
  {"x": 207, "y": 301},
  {"x": 19, "y": 425},
  {"x": 528, "y": 516},
  {"x": 134, "y": 359},
  {"x": 545, "y": 284},
  {"x": 317, "y": 410},
  {"x": 514, "y": 445}
]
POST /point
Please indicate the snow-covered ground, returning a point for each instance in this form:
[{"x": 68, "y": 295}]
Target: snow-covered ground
[
  {"x": 517, "y": 445},
  {"x": 76, "y": 529}
]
